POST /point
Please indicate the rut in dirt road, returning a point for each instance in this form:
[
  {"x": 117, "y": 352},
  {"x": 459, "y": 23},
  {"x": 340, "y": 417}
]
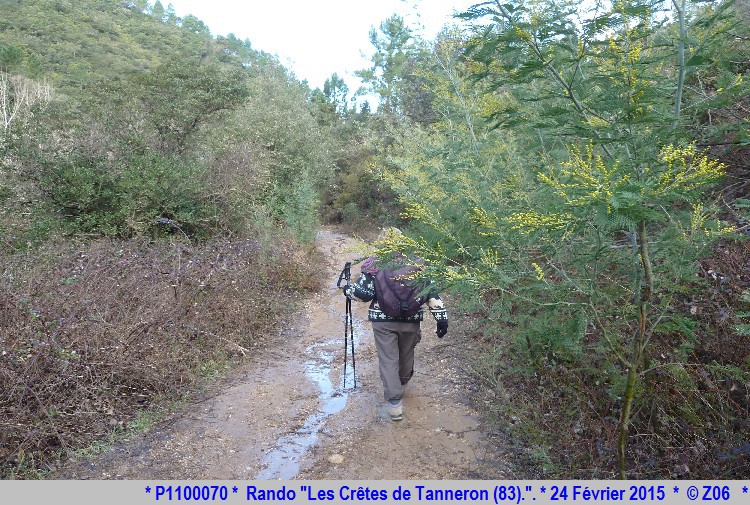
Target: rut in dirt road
[{"x": 285, "y": 415}]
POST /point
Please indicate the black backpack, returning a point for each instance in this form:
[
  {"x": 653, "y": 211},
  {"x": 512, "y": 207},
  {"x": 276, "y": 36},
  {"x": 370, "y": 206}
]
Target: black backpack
[{"x": 397, "y": 293}]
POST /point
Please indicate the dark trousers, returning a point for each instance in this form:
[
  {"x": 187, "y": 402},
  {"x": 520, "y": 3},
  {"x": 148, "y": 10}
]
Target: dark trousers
[{"x": 395, "y": 341}]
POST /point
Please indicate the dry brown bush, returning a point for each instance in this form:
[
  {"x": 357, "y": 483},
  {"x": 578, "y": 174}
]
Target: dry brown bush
[{"x": 90, "y": 335}]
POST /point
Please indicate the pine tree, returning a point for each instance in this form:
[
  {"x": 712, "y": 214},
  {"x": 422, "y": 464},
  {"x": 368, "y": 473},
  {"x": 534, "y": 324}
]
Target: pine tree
[{"x": 393, "y": 46}]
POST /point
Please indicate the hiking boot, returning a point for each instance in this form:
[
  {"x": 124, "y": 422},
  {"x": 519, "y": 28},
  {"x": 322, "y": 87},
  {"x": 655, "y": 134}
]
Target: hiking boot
[{"x": 396, "y": 411}]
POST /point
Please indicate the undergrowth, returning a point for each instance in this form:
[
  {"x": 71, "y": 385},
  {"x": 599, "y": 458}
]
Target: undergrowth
[
  {"x": 96, "y": 337},
  {"x": 560, "y": 408}
]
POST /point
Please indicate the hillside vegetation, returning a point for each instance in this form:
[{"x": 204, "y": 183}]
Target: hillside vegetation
[
  {"x": 159, "y": 189},
  {"x": 576, "y": 181}
]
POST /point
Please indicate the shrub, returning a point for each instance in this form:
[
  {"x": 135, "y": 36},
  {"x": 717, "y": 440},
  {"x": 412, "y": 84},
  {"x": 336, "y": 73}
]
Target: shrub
[{"x": 91, "y": 335}]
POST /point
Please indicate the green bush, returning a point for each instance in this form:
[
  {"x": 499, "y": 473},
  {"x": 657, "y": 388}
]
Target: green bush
[
  {"x": 159, "y": 189},
  {"x": 139, "y": 197}
]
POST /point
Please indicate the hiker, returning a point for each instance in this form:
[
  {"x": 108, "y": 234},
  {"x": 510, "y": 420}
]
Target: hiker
[{"x": 395, "y": 335}]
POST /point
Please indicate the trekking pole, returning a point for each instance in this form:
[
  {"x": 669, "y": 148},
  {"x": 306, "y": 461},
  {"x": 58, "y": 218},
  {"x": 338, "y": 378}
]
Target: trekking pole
[{"x": 348, "y": 322}]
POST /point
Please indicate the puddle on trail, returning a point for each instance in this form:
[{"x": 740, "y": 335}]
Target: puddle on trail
[{"x": 283, "y": 461}]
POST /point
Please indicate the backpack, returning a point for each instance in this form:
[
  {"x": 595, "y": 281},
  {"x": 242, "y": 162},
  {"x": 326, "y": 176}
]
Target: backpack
[{"x": 397, "y": 294}]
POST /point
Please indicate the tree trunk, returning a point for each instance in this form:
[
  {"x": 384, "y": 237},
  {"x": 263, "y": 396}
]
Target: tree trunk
[{"x": 637, "y": 352}]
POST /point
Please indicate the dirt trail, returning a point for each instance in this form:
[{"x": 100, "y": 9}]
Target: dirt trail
[{"x": 284, "y": 415}]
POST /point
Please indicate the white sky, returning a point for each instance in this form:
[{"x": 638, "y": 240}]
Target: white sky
[{"x": 316, "y": 38}]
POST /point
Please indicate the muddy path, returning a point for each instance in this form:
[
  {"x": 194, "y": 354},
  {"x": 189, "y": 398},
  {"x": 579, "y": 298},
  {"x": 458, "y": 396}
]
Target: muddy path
[{"x": 284, "y": 413}]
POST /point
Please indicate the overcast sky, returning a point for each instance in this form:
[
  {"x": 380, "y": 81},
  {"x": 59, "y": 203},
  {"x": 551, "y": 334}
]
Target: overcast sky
[{"x": 316, "y": 38}]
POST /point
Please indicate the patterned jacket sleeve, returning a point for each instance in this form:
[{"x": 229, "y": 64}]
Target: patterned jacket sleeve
[
  {"x": 437, "y": 308},
  {"x": 363, "y": 289}
]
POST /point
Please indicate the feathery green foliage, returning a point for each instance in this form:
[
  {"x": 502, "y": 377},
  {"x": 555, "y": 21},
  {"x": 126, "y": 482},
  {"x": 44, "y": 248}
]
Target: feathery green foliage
[{"x": 577, "y": 218}]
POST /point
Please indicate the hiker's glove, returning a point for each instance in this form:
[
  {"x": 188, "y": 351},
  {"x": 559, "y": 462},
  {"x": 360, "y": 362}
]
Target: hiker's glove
[
  {"x": 348, "y": 291},
  {"x": 442, "y": 328}
]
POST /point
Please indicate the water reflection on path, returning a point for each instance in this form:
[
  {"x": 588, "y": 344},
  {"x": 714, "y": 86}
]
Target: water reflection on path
[{"x": 283, "y": 461}]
